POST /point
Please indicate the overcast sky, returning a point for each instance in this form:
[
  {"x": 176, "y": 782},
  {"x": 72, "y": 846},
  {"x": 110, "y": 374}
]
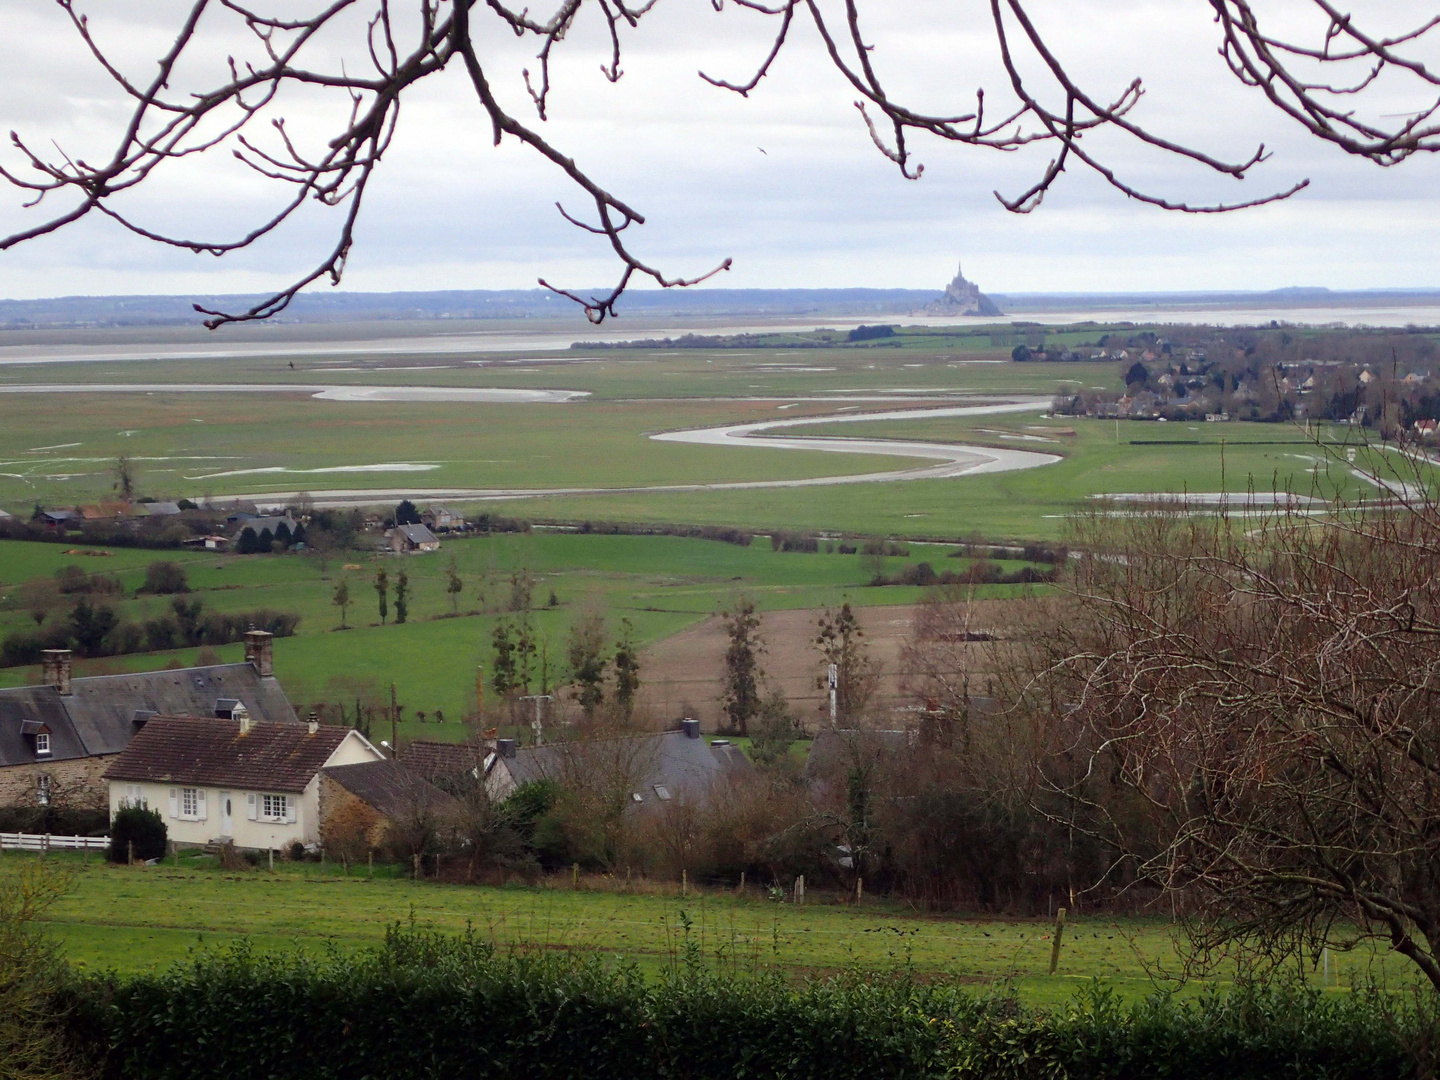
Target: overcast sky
[{"x": 786, "y": 182}]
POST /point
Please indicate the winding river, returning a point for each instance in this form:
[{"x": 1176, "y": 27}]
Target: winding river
[{"x": 944, "y": 460}]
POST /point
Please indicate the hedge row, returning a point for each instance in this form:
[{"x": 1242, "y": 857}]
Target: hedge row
[{"x": 429, "y": 1006}]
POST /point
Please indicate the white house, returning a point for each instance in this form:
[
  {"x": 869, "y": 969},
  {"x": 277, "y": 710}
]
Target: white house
[{"x": 256, "y": 785}]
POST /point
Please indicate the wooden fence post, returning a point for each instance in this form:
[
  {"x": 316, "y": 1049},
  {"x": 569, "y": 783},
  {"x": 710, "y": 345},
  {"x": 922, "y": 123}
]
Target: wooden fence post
[{"x": 1055, "y": 943}]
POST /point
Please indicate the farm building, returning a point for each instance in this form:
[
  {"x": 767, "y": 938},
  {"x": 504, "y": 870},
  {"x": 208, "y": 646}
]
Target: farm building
[
  {"x": 253, "y": 784},
  {"x": 411, "y": 539},
  {"x": 361, "y": 805},
  {"x": 654, "y": 768},
  {"x": 260, "y": 525},
  {"x": 57, "y": 519},
  {"x": 57, "y": 739}
]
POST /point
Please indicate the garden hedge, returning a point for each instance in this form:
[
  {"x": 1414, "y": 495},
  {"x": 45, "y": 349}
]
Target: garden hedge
[{"x": 424, "y": 1005}]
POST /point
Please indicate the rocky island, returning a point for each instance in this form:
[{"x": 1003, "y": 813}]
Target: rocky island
[{"x": 962, "y": 298}]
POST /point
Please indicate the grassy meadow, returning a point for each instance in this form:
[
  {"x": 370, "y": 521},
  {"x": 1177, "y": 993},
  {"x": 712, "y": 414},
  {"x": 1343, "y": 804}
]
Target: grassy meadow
[{"x": 143, "y": 919}]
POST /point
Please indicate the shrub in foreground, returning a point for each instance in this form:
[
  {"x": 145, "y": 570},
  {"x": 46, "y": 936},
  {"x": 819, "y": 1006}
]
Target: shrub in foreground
[
  {"x": 137, "y": 829},
  {"x": 426, "y": 1005}
]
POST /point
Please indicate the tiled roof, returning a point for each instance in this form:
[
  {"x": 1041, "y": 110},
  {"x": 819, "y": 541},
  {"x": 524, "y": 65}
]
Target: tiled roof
[
  {"x": 98, "y": 715},
  {"x": 211, "y": 752},
  {"x": 392, "y": 788},
  {"x": 432, "y": 759}
]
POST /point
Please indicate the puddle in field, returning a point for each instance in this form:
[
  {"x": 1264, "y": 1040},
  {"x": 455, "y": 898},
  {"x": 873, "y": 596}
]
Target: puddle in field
[{"x": 383, "y": 467}]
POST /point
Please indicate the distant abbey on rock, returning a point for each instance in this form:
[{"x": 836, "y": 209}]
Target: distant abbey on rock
[{"x": 962, "y": 298}]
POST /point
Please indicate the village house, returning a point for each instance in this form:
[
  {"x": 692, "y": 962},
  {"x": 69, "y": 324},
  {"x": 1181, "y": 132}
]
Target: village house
[
  {"x": 655, "y": 768},
  {"x": 252, "y": 784},
  {"x": 57, "y": 739},
  {"x": 441, "y": 519},
  {"x": 411, "y": 539}
]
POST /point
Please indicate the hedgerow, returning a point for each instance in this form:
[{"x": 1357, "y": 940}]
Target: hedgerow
[{"x": 424, "y": 1005}]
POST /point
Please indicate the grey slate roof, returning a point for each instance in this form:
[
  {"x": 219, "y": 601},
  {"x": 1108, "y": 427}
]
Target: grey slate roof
[
  {"x": 98, "y": 717},
  {"x": 260, "y": 524},
  {"x": 391, "y": 788},
  {"x": 671, "y": 760},
  {"x": 417, "y": 534}
]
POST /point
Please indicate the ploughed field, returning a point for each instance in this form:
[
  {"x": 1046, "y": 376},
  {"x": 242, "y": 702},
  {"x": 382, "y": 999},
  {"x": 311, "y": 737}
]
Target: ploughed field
[{"x": 149, "y": 918}]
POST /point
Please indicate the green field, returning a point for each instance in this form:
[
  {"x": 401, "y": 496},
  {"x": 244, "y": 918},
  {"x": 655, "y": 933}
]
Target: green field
[
  {"x": 139, "y": 919},
  {"x": 662, "y": 584},
  {"x": 58, "y": 448}
]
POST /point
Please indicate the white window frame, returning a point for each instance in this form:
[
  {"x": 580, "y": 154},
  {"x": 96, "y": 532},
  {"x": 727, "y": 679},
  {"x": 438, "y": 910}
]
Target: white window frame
[
  {"x": 42, "y": 789},
  {"x": 135, "y": 796},
  {"x": 190, "y": 803},
  {"x": 275, "y": 808},
  {"x": 42, "y": 744}
]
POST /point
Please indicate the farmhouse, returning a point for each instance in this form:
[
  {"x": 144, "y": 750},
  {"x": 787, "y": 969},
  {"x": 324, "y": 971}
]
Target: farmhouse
[
  {"x": 441, "y": 519},
  {"x": 653, "y": 768},
  {"x": 411, "y": 539},
  {"x": 57, "y": 739},
  {"x": 253, "y": 784}
]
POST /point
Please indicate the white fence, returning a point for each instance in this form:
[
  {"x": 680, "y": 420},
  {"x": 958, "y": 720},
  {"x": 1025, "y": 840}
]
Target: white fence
[{"x": 19, "y": 841}]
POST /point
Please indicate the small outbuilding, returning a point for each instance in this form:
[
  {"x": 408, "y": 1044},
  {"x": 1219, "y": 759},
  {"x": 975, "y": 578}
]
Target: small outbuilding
[{"x": 412, "y": 539}]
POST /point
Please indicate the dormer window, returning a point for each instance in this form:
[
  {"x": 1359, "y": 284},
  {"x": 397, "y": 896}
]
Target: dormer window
[{"x": 42, "y": 744}]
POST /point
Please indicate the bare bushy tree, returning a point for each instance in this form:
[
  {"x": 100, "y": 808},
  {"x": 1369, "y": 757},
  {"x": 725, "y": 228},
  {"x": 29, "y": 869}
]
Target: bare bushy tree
[
  {"x": 369, "y": 55},
  {"x": 1247, "y": 706}
]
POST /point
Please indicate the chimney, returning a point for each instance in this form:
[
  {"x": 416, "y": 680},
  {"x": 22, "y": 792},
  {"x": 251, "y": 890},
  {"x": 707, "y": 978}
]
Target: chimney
[
  {"x": 505, "y": 748},
  {"x": 243, "y": 715},
  {"x": 690, "y": 727},
  {"x": 260, "y": 651},
  {"x": 312, "y": 723},
  {"x": 55, "y": 663}
]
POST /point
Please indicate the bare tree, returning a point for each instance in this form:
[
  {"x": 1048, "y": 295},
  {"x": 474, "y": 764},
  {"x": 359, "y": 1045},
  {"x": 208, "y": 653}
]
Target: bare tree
[
  {"x": 1248, "y": 709},
  {"x": 1320, "y": 83}
]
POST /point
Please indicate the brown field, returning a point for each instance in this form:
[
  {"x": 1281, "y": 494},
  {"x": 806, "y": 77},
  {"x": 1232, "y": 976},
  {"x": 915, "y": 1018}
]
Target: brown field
[{"x": 682, "y": 673}]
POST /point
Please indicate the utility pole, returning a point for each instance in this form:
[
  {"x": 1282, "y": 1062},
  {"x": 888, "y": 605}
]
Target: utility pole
[
  {"x": 834, "y": 681},
  {"x": 394, "y": 724},
  {"x": 535, "y": 726}
]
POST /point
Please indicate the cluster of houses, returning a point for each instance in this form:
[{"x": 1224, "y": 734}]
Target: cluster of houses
[
  {"x": 220, "y": 754},
  {"x": 240, "y": 526}
]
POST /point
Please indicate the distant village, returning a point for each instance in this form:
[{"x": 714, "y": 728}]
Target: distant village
[
  {"x": 1361, "y": 380},
  {"x": 240, "y": 526}
]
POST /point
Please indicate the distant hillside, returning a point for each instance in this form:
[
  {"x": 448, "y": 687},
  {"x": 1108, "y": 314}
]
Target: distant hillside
[
  {"x": 322, "y": 307},
  {"x": 352, "y": 307},
  {"x": 1294, "y": 297}
]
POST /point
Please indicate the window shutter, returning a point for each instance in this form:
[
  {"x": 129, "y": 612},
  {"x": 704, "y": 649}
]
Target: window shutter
[
  {"x": 174, "y": 803},
  {"x": 290, "y": 809},
  {"x": 250, "y": 811},
  {"x": 200, "y": 805}
]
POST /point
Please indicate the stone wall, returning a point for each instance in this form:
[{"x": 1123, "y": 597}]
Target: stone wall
[
  {"x": 347, "y": 821},
  {"x": 74, "y": 784}
]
